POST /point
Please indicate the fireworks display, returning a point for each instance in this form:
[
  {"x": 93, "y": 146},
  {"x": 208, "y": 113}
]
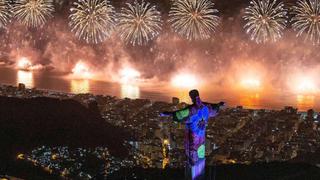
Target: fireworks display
[
  {"x": 5, "y": 13},
  {"x": 33, "y": 13},
  {"x": 92, "y": 20},
  {"x": 139, "y": 23},
  {"x": 185, "y": 80},
  {"x": 307, "y": 19},
  {"x": 194, "y": 19},
  {"x": 304, "y": 83},
  {"x": 252, "y": 83},
  {"x": 24, "y": 64},
  {"x": 129, "y": 75},
  {"x": 81, "y": 71},
  {"x": 266, "y": 20},
  {"x": 232, "y": 62}
]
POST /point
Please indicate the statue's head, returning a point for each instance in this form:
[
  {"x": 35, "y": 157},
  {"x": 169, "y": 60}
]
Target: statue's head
[{"x": 194, "y": 95}]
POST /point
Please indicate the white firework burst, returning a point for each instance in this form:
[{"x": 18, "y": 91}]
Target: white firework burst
[
  {"x": 194, "y": 19},
  {"x": 306, "y": 20},
  {"x": 139, "y": 23},
  {"x": 92, "y": 20},
  {"x": 5, "y": 13},
  {"x": 33, "y": 13},
  {"x": 266, "y": 20}
]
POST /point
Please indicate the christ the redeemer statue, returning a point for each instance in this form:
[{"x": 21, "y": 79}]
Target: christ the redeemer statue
[{"x": 195, "y": 117}]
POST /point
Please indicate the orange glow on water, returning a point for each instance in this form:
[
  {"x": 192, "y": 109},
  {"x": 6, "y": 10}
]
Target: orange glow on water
[
  {"x": 25, "y": 77},
  {"x": 251, "y": 101},
  {"x": 130, "y": 91},
  {"x": 80, "y": 86}
]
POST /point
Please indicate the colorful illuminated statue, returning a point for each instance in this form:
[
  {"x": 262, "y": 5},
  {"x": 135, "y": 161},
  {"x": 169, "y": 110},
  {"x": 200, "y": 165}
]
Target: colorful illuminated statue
[{"x": 195, "y": 117}]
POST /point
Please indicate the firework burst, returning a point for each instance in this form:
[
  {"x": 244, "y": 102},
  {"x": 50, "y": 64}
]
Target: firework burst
[
  {"x": 139, "y": 23},
  {"x": 5, "y": 13},
  {"x": 306, "y": 19},
  {"x": 194, "y": 19},
  {"x": 92, "y": 20},
  {"x": 266, "y": 20},
  {"x": 33, "y": 13}
]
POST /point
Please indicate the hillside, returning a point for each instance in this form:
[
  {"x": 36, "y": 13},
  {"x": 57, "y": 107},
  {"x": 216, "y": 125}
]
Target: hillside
[{"x": 29, "y": 123}]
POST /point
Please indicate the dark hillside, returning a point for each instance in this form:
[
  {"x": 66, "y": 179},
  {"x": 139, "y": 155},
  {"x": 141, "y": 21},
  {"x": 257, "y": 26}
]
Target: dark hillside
[{"x": 29, "y": 123}]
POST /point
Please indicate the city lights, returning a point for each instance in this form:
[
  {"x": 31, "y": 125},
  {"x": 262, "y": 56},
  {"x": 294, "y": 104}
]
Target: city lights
[{"x": 167, "y": 89}]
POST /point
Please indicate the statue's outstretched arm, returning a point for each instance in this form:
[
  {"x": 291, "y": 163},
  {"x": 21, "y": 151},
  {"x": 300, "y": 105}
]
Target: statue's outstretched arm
[
  {"x": 214, "y": 108},
  {"x": 178, "y": 116}
]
